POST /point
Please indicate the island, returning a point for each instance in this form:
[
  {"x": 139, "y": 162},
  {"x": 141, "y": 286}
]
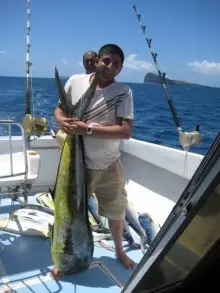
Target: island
[{"x": 155, "y": 79}]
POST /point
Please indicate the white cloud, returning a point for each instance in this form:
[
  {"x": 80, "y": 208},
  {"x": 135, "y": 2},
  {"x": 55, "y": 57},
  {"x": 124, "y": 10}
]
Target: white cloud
[
  {"x": 64, "y": 61},
  {"x": 205, "y": 67},
  {"x": 3, "y": 52},
  {"x": 139, "y": 65},
  {"x": 81, "y": 64}
]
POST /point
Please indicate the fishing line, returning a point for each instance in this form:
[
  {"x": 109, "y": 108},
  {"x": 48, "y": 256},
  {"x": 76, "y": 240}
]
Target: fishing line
[{"x": 186, "y": 139}]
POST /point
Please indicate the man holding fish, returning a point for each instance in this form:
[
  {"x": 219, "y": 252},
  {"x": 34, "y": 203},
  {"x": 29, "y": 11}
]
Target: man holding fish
[{"x": 110, "y": 119}]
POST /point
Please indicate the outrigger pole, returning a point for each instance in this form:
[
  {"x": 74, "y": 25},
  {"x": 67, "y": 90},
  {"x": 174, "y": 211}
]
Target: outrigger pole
[
  {"x": 32, "y": 125},
  {"x": 186, "y": 139},
  {"x": 28, "y": 63}
]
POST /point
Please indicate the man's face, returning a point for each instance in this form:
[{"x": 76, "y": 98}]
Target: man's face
[
  {"x": 109, "y": 66},
  {"x": 89, "y": 62}
]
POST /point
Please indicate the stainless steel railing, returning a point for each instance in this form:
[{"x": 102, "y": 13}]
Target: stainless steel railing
[{"x": 24, "y": 144}]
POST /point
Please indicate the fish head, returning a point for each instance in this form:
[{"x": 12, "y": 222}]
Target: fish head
[{"x": 71, "y": 263}]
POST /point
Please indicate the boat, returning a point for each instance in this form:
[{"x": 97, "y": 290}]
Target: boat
[{"x": 159, "y": 180}]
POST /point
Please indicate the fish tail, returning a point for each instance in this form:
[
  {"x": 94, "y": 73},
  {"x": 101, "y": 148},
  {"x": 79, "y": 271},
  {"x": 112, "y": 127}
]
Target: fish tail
[{"x": 127, "y": 234}]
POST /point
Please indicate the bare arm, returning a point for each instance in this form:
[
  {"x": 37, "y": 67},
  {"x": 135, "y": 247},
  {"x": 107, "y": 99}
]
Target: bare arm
[
  {"x": 122, "y": 130},
  {"x": 59, "y": 114},
  {"x": 65, "y": 123}
]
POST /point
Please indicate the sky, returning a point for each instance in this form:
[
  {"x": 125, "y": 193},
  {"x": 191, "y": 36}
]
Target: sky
[{"x": 185, "y": 34}]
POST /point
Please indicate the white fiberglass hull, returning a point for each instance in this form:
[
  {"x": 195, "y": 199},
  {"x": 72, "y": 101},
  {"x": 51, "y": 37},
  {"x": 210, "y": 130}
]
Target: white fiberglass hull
[{"x": 155, "y": 175}]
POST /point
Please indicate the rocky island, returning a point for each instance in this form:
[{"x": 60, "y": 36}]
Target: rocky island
[{"x": 154, "y": 78}]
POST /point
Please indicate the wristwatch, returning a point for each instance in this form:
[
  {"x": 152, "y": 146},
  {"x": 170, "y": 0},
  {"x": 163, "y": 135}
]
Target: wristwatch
[{"x": 89, "y": 130}]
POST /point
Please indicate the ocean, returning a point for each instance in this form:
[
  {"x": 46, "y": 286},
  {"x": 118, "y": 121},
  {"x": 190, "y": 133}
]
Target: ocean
[{"x": 153, "y": 121}]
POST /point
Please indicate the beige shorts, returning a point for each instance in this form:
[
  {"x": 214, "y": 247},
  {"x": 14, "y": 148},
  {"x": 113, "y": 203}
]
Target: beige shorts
[{"x": 109, "y": 187}]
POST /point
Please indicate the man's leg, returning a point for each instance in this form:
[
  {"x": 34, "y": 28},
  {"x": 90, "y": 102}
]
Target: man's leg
[
  {"x": 112, "y": 203},
  {"x": 116, "y": 227}
]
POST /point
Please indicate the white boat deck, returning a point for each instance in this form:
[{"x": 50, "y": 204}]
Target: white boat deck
[
  {"x": 26, "y": 264},
  {"x": 155, "y": 179}
]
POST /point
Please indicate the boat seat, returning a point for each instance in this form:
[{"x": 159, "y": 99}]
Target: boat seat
[{"x": 18, "y": 168}]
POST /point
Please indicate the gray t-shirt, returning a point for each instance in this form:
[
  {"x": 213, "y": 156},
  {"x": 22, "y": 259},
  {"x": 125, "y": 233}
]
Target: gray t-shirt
[{"x": 108, "y": 103}]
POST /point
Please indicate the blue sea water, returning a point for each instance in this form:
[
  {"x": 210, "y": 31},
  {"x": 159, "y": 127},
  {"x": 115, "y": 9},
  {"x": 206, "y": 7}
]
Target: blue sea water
[{"x": 153, "y": 120}]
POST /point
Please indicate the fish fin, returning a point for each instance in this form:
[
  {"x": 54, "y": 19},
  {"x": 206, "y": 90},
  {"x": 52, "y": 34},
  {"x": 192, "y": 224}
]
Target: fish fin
[
  {"x": 51, "y": 193},
  {"x": 66, "y": 104},
  {"x": 51, "y": 228},
  {"x": 106, "y": 245}
]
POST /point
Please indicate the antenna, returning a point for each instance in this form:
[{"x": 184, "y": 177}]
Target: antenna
[{"x": 28, "y": 63}]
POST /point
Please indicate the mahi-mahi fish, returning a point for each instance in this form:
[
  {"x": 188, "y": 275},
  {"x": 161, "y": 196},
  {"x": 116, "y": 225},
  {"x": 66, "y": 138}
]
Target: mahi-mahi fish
[{"x": 72, "y": 240}]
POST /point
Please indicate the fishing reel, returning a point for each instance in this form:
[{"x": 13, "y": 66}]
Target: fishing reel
[
  {"x": 34, "y": 126},
  {"x": 187, "y": 139}
]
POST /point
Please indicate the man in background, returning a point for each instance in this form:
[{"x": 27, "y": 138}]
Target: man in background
[
  {"x": 89, "y": 63},
  {"x": 89, "y": 60}
]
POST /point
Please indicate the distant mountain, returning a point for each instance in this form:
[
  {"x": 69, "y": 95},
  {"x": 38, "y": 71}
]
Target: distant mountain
[{"x": 154, "y": 78}]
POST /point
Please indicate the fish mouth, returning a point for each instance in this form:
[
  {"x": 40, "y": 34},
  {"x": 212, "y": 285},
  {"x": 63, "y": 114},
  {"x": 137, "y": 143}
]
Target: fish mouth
[{"x": 70, "y": 263}]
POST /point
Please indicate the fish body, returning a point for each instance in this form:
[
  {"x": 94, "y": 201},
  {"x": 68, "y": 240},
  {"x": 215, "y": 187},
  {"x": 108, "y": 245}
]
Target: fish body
[
  {"x": 149, "y": 226},
  {"x": 131, "y": 216},
  {"x": 72, "y": 240},
  {"x": 93, "y": 209}
]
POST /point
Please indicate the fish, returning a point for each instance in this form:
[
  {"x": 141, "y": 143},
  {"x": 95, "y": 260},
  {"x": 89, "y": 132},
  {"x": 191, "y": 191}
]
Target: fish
[
  {"x": 131, "y": 216},
  {"x": 99, "y": 231},
  {"x": 72, "y": 244},
  {"x": 28, "y": 221},
  {"x": 36, "y": 222},
  {"x": 93, "y": 209},
  {"x": 128, "y": 237},
  {"x": 150, "y": 227}
]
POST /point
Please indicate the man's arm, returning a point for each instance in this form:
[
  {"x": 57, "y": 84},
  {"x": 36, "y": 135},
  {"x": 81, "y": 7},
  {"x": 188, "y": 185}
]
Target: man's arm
[
  {"x": 123, "y": 127},
  {"x": 124, "y": 123},
  {"x": 122, "y": 130},
  {"x": 59, "y": 114}
]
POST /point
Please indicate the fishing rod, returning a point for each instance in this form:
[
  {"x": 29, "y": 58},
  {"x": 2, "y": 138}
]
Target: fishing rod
[
  {"x": 186, "y": 139},
  {"x": 33, "y": 126},
  {"x": 28, "y": 63}
]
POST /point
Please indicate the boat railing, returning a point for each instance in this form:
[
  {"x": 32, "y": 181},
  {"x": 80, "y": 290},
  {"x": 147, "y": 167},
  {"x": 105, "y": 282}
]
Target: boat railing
[{"x": 10, "y": 123}]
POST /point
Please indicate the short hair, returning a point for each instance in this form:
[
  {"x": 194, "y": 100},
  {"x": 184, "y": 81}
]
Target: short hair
[
  {"x": 113, "y": 49},
  {"x": 90, "y": 52}
]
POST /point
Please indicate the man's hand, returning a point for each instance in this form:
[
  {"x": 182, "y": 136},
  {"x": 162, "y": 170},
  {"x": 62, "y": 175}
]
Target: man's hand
[
  {"x": 66, "y": 124},
  {"x": 79, "y": 127},
  {"x": 73, "y": 126}
]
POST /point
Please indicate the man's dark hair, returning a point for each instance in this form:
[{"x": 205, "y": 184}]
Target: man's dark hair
[{"x": 113, "y": 49}]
